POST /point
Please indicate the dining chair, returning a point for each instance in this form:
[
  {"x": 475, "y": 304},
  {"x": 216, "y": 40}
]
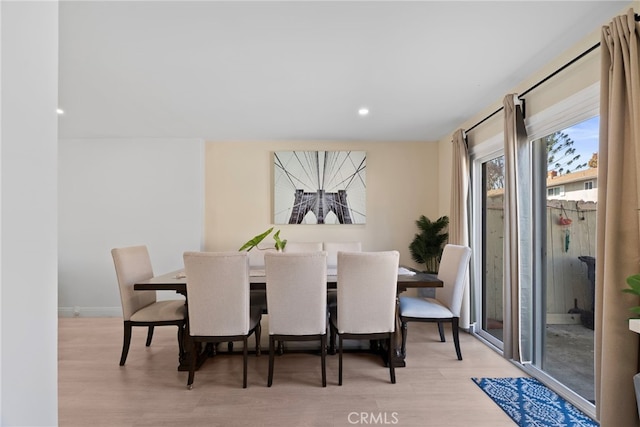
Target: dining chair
[
  {"x": 445, "y": 307},
  {"x": 301, "y": 247},
  {"x": 140, "y": 308},
  {"x": 366, "y": 305},
  {"x": 218, "y": 303},
  {"x": 332, "y": 249},
  {"x": 297, "y": 300}
]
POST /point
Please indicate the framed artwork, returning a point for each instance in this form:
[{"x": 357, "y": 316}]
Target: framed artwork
[{"x": 319, "y": 187}]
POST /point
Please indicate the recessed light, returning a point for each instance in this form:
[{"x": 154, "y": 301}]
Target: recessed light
[
  {"x": 60, "y": 111},
  {"x": 363, "y": 111}
]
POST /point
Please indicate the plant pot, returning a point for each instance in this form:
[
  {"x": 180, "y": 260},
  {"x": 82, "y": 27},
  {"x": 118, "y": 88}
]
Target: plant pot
[{"x": 634, "y": 325}]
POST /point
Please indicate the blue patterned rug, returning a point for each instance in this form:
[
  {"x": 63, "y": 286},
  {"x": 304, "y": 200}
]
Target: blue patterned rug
[{"x": 530, "y": 403}]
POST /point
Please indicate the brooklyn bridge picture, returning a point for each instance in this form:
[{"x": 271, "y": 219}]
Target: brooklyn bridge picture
[{"x": 319, "y": 187}]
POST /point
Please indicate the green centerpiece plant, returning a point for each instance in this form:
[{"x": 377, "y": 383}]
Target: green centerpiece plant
[
  {"x": 255, "y": 241},
  {"x": 427, "y": 246}
]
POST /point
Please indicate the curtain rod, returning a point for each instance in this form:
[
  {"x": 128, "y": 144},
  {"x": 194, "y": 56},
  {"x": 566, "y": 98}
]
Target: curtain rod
[
  {"x": 568, "y": 64},
  {"x": 535, "y": 86}
]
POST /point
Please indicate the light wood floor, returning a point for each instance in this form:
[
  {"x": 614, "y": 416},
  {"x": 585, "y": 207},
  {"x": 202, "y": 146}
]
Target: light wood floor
[{"x": 435, "y": 389}]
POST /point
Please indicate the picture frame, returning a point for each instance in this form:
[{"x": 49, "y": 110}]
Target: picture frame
[{"x": 319, "y": 187}]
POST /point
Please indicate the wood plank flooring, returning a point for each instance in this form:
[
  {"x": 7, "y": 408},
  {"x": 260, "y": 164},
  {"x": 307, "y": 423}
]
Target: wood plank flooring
[{"x": 435, "y": 389}]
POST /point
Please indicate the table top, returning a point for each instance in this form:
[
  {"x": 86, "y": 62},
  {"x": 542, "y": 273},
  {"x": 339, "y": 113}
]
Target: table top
[{"x": 177, "y": 281}]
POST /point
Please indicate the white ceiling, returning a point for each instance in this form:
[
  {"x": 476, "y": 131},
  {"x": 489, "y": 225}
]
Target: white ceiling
[{"x": 267, "y": 70}]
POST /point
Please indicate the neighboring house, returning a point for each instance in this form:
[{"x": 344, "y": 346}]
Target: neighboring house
[
  {"x": 574, "y": 186},
  {"x": 581, "y": 185}
]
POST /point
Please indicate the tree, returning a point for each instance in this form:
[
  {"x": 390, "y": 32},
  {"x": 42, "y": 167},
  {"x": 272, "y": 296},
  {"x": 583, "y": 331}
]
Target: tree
[
  {"x": 561, "y": 156},
  {"x": 494, "y": 173}
]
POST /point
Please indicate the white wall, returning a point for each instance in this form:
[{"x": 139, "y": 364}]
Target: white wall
[
  {"x": 122, "y": 192},
  {"x": 28, "y": 229}
]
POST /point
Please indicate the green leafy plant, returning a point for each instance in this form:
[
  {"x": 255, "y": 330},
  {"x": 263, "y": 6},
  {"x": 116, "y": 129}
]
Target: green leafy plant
[
  {"x": 634, "y": 288},
  {"x": 426, "y": 247},
  {"x": 280, "y": 244},
  {"x": 255, "y": 241}
]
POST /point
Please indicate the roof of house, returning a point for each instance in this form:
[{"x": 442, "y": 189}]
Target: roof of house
[{"x": 583, "y": 175}]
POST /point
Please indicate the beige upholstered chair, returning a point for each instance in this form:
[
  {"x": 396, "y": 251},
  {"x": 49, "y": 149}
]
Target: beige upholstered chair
[
  {"x": 366, "y": 307},
  {"x": 297, "y": 300},
  {"x": 448, "y": 302},
  {"x": 299, "y": 247},
  {"x": 218, "y": 302},
  {"x": 140, "y": 308},
  {"x": 332, "y": 249}
]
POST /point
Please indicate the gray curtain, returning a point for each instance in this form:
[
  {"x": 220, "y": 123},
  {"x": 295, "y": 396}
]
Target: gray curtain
[
  {"x": 518, "y": 229},
  {"x": 618, "y": 248},
  {"x": 459, "y": 209}
]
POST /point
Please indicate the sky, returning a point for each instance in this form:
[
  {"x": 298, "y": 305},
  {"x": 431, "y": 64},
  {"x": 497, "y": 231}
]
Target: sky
[{"x": 585, "y": 137}]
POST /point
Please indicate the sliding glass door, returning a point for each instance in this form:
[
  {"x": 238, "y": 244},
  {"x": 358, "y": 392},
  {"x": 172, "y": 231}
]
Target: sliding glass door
[
  {"x": 488, "y": 170},
  {"x": 563, "y": 243},
  {"x": 567, "y": 226}
]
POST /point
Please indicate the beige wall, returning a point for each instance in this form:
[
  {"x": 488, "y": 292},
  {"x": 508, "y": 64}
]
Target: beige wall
[{"x": 402, "y": 184}]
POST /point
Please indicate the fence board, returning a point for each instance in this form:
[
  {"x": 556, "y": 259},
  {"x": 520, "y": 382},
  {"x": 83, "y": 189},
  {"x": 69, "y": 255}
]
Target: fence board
[{"x": 567, "y": 283}]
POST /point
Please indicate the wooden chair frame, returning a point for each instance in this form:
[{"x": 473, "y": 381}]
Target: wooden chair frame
[
  {"x": 454, "y": 326},
  {"x": 257, "y": 329},
  {"x": 389, "y": 336},
  {"x": 273, "y": 339},
  {"x": 129, "y": 324}
]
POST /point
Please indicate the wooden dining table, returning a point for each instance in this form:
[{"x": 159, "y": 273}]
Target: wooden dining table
[{"x": 176, "y": 281}]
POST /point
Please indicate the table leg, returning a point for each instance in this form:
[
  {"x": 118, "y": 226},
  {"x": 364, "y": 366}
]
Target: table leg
[
  {"x": 184, "y": 359},
  {"x": 398, "y": 356}
]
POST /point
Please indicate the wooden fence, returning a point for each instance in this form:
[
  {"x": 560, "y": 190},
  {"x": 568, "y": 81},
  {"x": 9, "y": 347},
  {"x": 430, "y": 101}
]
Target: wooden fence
[{"x": 568, "y": 283}]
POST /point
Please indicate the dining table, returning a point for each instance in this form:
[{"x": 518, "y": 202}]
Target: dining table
[{"x": 176, "y": 281}]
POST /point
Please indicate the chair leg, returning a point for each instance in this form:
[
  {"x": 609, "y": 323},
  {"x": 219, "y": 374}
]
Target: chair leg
[
  {"x": 149, "y": 336},
  {"x": 339, "y": 359},
  {"x": 258, "y": 335},
  {"x": 323, "y": 357},
  {"x": 192, "y": 363},
  {"x": 392, "y": 370},
  {"x": 245, "y": 361},
  {"x": 403, "y": 329},
  {"x": 230, "y": 346},
  {"x": 271, "y": 357},
  {"x": 456, "y": 339},
  {"x": 441, "y": 331},
  {"x": 125, "y": 343}
]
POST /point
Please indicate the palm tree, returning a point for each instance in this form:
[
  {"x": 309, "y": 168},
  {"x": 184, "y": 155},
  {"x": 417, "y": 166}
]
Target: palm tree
[{"x": 427, "y": 246}]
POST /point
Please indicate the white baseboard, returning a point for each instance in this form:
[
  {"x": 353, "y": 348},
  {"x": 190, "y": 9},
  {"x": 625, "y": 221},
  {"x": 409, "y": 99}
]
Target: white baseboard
[{"x": 89, "y": 312}]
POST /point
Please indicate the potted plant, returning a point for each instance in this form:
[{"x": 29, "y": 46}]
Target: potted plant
[
  {"x": 255, "y": 241},
  {"x": 634, "y": 288},
  {"x": 426, "y": 247}
]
